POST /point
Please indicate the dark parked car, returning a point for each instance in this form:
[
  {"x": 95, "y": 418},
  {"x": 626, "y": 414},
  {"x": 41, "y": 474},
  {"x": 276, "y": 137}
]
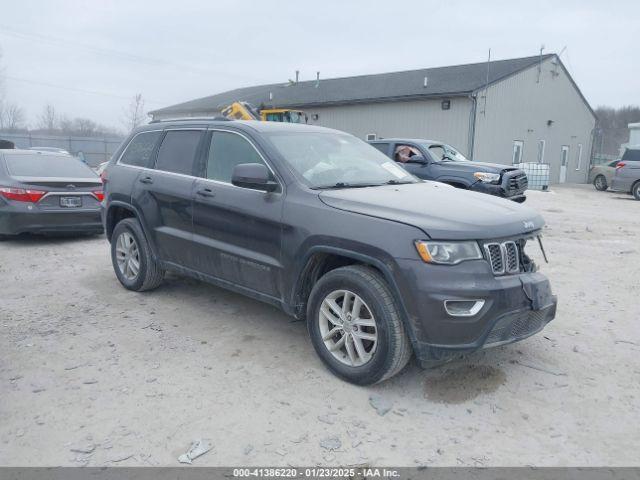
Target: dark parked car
[
  {"x": 627, "y": 175},
  {"x": 438, "y": 161},
  {"x": 317, "y": 222},
  {"x": 46, "y": 192}
]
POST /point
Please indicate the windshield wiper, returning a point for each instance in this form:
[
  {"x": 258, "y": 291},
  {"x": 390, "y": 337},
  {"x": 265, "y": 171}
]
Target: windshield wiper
[
  {"x": 396, "y": 182},
  {"x": 347, "y": 185}
]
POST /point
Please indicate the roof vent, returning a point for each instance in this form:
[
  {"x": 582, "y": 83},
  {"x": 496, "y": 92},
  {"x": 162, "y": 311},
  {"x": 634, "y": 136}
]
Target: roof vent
[{"x": 426, "y": 82}]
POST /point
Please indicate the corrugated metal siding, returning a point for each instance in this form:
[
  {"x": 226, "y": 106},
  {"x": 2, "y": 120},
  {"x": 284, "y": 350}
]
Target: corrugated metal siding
[
  {"x": 410, "y": 119},
  {"x": 519, "y": 107}
]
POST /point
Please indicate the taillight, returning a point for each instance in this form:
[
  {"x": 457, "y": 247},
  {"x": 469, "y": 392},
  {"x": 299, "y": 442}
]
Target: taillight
[
  {"x": 22, "y": 195},
  {"x": 620, "y": 165},
  {"x": 99, "y": 194}
]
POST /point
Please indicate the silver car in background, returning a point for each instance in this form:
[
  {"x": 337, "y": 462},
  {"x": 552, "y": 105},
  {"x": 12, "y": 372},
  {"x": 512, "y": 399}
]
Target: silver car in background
[
  {"x": 627, "y": 174},
  {"x": 601, "y": 176}
]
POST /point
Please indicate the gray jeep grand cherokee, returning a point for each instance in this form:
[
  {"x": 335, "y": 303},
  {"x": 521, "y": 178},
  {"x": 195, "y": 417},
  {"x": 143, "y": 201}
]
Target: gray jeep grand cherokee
[{"x": 381, "y": 264}]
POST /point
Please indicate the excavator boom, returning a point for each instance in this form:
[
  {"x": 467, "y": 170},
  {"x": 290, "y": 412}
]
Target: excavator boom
[{"x": 244, "y": 111}]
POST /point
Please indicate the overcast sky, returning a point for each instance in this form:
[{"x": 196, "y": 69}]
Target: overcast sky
[{"x": 87, "y": 58}]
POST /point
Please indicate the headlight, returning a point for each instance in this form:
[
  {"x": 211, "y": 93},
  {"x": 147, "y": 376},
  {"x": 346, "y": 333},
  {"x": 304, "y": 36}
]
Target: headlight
[
  {"x": 487, "y": 177},
  {"x": 448, "y": 253}
]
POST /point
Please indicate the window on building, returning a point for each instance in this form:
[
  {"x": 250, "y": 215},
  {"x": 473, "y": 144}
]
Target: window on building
[
  {"x": 178, "y": 151},
  {"x": 541, "y": 145},
  {"x": 371, "y": 136},
  {"x": 228, "y": 150},
  {"x": 579, "y": 156},
  {"x": 139, "y": 151},
  {"x": 518, "y": 145}
]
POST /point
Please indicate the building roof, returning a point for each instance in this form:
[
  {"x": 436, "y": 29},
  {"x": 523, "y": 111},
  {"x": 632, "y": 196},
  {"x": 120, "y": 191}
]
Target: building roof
[{"x": 441, "y": 81}]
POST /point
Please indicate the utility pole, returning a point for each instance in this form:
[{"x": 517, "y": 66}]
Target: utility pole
[{"x": 540, "y": 63}]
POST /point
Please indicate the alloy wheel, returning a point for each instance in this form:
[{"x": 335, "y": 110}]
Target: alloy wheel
[
  {"x": 128, "y": 256},
  {"x": 348, "y": 328}
]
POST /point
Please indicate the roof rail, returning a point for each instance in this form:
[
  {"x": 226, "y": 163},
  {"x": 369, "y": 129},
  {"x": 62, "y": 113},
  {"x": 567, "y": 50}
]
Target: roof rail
[{"x": 176, "y": 119}]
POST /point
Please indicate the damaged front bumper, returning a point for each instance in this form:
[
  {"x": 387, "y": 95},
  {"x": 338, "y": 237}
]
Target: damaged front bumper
[
  {"x": 514, "y": 307},
  {"x": 499, "y": 191}
]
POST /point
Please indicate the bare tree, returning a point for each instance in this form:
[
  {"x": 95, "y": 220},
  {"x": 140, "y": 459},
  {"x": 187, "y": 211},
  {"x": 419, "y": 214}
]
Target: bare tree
[
  {"x": 1, "y": 78},
  {"x": 84, "y": 126},
  {"x": 12, "y": 117},
  {"x": 48, "y": 118},
  {"x": 612, "y": 128},
  {"x": 134, "y": 114}
]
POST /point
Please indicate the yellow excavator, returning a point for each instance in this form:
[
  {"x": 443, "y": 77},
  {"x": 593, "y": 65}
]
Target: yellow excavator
[{"x": 245, "y": 111}]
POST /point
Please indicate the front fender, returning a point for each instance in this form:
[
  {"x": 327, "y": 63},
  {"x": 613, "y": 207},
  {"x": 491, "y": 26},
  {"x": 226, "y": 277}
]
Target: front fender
[
  {"x": 454, "y": 179},
  {"x": 364, "y": 254}
]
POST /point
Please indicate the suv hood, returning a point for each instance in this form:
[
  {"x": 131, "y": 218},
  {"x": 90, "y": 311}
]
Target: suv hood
[{"x": 441, "y": 211}]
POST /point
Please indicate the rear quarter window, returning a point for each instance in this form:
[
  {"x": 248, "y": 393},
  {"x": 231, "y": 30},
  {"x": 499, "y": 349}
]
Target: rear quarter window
[{"x": 140, "y": 150}]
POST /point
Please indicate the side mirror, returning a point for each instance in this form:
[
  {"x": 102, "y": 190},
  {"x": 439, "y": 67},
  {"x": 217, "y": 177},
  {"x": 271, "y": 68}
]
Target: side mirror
[
  {"x": 253, "y": 175},
  {"x": 417, "y": 159}
]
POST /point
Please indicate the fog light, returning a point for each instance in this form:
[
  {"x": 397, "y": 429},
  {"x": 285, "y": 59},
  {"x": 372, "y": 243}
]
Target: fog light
[{"x": 463, "y": 308}]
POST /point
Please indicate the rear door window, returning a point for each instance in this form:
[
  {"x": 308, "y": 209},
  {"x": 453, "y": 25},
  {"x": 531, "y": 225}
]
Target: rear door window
[
  {"x": 631, "y": 155},
  {"x": 178, "y": 151},
  {"x": 383, "y": 147},
  {"x": 50, "y": 166},
  {"x": 140, "y": 150},
  {"x": 228, "y": 150}
]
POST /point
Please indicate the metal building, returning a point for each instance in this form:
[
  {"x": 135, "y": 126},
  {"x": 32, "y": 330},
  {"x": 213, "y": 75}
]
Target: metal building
[{"x": 507, "y": 111}]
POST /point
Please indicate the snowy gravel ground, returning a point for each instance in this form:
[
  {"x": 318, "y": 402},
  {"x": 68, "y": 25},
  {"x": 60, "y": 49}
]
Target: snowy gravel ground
[{"x": 92, "y": 374}]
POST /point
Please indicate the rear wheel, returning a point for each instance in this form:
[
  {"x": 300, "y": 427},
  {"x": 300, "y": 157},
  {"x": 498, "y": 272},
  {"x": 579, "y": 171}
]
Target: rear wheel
[
  {"x": 600, "y": 182},
  {"x": 356, "y": 327},
  {"x": 635, "y": 190},
  {"x": 132, "y": 259}
]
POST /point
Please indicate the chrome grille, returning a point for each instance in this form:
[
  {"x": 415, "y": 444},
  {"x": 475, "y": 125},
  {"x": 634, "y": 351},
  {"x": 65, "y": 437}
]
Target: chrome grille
[
  {"x": 519, "y": 183},
  {"x": 512, "y": 263},
  {"x": 503, "y": 257},
  {"x": 495, "y": 257}
]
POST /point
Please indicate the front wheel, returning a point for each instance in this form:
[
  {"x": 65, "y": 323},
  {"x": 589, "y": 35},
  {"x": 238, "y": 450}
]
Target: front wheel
[
  {"x": 600, "y": 183},
  {"x": 132, "y": 259},
  {"x": 356, "y": 327}
]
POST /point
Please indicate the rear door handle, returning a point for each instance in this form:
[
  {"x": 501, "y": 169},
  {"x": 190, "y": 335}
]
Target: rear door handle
[
  {"x": 146, "y": 180},
  {"x": 206, "y": 192}
]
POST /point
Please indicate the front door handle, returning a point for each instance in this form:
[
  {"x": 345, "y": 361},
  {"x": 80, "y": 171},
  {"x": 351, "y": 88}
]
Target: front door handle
[
  {"x": 206, "y": 192},
  {"x": 146, "y": 180}
]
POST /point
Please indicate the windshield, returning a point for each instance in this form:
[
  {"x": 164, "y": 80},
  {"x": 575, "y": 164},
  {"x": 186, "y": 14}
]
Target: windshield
[
  {"x": 446, "y": 153},
  {"x": 328, "y": 160},
  {"x": 47, "y": 166}
]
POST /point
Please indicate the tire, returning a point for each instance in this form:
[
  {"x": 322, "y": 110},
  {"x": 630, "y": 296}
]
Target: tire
[
  {"x": 148, "y": 274},
  {"x": 600, "y": 182},
  {"x": 635, "y": 190},
  {"x": 387, "y": 355}
]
